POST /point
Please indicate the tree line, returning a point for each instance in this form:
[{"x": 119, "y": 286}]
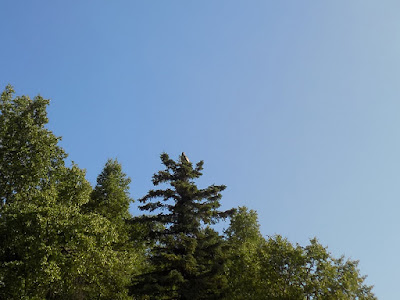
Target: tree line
[{"x": 61, "y": 238}]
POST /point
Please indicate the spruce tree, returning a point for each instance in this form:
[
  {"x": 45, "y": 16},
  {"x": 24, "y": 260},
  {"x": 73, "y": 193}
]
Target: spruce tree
[{"x": 186, "y": 261}]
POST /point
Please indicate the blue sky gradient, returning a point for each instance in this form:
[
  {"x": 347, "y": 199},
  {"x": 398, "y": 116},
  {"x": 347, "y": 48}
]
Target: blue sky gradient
[{"x": 294, "y": 105}]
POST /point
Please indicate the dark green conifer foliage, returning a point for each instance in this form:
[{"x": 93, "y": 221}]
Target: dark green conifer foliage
[
  {"x": 61, "y": 239},
  {"x": 187, "y": 260}
]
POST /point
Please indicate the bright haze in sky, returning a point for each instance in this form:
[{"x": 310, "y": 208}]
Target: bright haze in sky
[{"x": 294, "y": 105}]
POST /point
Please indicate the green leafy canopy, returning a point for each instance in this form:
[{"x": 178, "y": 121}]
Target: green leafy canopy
[{"x": 61, "y": 238}]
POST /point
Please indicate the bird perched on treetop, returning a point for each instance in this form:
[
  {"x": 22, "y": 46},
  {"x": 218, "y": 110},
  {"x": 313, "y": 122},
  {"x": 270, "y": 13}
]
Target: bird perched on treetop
[{"x": 185, "y": 157}]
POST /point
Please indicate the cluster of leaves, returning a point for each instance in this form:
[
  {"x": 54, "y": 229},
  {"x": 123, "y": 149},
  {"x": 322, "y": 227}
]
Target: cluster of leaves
[
  {"x": 57, "y": 239},
  {"x": 61, "y": 238},
  {"x": 275, "y": 267}
]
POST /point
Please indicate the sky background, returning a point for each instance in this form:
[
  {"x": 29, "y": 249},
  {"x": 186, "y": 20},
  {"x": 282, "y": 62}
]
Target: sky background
[{"x": 294, "y": 105}]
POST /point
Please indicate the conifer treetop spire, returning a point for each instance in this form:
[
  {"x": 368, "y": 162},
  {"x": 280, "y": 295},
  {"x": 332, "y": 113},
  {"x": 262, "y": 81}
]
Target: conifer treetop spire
[{"x": 188, "y": 261}]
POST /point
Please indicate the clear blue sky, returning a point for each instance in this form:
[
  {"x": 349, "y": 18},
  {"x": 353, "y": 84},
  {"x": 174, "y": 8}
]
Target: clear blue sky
[{"x": 294, "y": 105}]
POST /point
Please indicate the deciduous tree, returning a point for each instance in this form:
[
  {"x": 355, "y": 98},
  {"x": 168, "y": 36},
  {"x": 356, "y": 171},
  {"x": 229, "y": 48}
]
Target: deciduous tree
[
  {"x": 49, "y": 247},
  {"x": 274, "y": 268}
]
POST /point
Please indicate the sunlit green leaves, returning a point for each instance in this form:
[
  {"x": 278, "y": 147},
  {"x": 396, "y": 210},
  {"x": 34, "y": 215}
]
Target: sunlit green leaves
[
  {"x": 62, "y": 239},
  {"x": 274, "y": 268},
  {"x": 50, "y": 247}
]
